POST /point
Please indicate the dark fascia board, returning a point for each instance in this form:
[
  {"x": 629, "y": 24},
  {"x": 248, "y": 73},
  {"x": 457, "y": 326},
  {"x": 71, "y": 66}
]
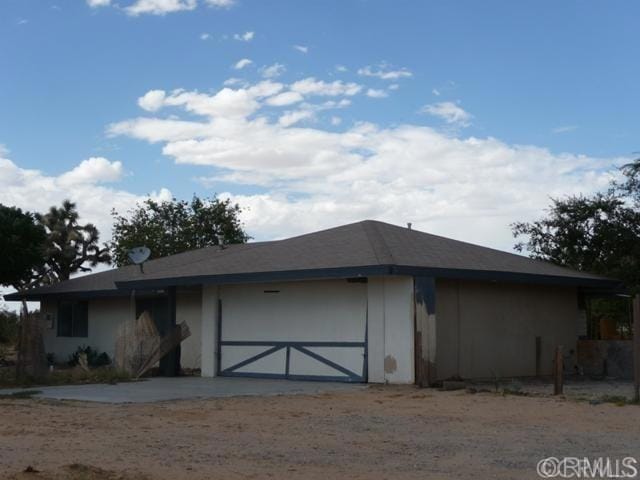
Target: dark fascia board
[
  {"x": 606, "y": 284},
  {"x": 18, "y": 296},
  {"x": 124, "y": 287}
]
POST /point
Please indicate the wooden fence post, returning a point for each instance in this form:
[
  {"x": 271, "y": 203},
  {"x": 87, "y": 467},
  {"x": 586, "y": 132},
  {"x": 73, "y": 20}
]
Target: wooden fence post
[
  {"x": 538, "y": 356},
  {"x": 558, "y": 372},
  {"x": 636, "y": 347}
]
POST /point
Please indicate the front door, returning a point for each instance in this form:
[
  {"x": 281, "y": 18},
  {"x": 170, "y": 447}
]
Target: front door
[{"x": 158, "y": 308}]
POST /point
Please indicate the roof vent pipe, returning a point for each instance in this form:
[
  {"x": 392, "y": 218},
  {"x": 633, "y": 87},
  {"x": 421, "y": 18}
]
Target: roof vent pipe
[{"x": 409, "y": 225}]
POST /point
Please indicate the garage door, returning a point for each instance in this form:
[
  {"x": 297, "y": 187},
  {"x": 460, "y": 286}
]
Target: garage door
[{"x": 315, "y": 330}]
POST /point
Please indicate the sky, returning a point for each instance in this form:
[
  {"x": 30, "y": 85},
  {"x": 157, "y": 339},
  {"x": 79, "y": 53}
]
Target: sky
[{"x": 460, "y": 117}]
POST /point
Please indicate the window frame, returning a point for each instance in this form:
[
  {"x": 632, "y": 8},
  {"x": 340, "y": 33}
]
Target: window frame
[{"x": 77, "y": 326}]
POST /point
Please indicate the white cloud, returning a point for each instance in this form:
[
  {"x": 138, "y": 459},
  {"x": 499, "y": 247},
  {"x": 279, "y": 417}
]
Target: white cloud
[
  {"x": 436, "y": 92},
  {"x": 159, "y": 7},
  {"x": 291, "y": 118},
  {"x": 376, "y": 93},
  {"x": 152, "y": 100},
  {"x": 205, "y": 36},
  {"x": 341, "y": 68},
  {"x": 336, "y": 121},
  {"x": 384, "y": 72},
  {"x": 240, "y": 64},
  {"x": 163, "y": 7},
  {"x": 36, "y": 191},
  {"x": 93, "y": 170},
  {"x": 565, "y": 129},
  {"x": 311, "y": 86},
  {"x": 393, "y": 86},
  {"x": 244, "y": 37},
  {"x": 98, "y": 3},
  {"x": 220, "y": 3},
  {"x": 301, "y": 48},
  {"x": 313, "y": 177},
  {"x": 273, "y": 71},
  {"x": 285, "y": 98},
  {"x": 233, "y": 81},
  {"x": 227, "y": 102},
  {"x": 449, "y": 112}
]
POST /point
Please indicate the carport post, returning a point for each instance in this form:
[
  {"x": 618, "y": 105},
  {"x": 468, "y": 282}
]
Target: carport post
[{"x": 636, "y": 347}]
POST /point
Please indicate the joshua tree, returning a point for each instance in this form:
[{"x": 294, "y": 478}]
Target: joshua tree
[{"x": 70, "y": 247}]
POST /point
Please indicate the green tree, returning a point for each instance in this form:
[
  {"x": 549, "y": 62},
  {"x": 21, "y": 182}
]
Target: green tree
[
  {"x": 175, "y": 226},
  {"x": 598, "y": 234},
  {"x": 70, "y": 246},
  {"x": 22, "y": 246},
  {"x": 630, "y": 187}
]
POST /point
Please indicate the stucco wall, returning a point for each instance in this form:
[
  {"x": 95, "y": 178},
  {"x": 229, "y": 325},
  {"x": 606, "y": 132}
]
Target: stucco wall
[
  {"x": 489, "y": 329},
  {"x": 105, "y": 314},
  {"x": 390, "y": 313}
]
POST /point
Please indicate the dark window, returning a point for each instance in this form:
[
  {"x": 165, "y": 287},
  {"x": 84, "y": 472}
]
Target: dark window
[{"x": 73, "y": 319}]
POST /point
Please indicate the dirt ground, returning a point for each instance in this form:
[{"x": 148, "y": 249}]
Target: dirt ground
[{"x": 374, "y": 433}]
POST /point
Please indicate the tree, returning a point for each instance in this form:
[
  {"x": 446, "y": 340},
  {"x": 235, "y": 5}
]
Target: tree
[
  {"x": 175, "y": 226},
  {"x": 9, "y": 325},
  {"x": 70, "y": 247},
  {"x": 598, "y": 234},
  {"x": 22, "y": 246},
  {"x": 630, "y": 187}
]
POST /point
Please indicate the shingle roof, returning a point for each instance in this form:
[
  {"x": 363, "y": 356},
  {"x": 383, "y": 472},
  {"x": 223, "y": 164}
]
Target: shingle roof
[{"x": 367, "y": 247}]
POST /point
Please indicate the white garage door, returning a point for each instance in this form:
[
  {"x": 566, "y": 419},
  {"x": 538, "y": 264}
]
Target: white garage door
[{"x": 314, "y": 330}]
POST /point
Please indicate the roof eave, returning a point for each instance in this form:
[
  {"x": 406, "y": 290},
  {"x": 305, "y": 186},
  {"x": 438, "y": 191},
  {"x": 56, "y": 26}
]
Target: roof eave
[
  {"x": 35, "y": 297},
  {"x": 509, "y": 277},
  {"x": 124, "y": 287}
]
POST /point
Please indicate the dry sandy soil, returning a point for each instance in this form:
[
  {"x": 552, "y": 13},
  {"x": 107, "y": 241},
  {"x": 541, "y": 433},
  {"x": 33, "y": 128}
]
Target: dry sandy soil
[{"x": 374, "y": 433}]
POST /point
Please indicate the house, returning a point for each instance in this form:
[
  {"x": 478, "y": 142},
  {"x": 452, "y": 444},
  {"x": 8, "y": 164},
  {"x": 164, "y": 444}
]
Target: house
[{"x": 365, "y": 302}]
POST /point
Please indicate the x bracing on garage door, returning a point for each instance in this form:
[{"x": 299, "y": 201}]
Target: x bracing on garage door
[
  {"x": 343, "y": 374},
  {"x": 295, "y": 360}
]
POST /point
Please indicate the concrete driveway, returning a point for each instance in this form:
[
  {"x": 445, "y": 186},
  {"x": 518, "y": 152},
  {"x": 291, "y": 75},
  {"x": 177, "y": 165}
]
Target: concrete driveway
[{"x": 183, "y": 388}]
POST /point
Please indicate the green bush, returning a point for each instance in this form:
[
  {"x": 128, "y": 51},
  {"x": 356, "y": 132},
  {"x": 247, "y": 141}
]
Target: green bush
[
  {"x": 94, "y": 358},
  {"x": 8, "y": 327}
]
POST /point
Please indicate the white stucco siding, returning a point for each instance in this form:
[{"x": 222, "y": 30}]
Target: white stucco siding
[
  {"x": 105, "y": 314},
  {"x": 490, "y": 329},
  {"x": 391, "y": 330},
  {"x": 104, "y": 317},
  {"x": 309, "y": 311}
]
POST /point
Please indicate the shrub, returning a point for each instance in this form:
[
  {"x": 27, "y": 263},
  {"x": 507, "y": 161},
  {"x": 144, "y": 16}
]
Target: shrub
[
  {"x": 8, "y": 327},
  {"x": 94, "y": 358}
]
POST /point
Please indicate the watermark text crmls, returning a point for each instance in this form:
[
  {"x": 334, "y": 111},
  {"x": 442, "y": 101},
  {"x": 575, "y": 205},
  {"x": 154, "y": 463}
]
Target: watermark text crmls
[{"x": 584, "y": 467}]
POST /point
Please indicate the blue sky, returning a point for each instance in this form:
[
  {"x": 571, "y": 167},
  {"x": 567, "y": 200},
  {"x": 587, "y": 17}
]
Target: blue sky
[{"x": 460, "y": 106}]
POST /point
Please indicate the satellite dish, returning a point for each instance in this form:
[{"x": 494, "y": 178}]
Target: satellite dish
[{"x": 139, "y": 255}]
